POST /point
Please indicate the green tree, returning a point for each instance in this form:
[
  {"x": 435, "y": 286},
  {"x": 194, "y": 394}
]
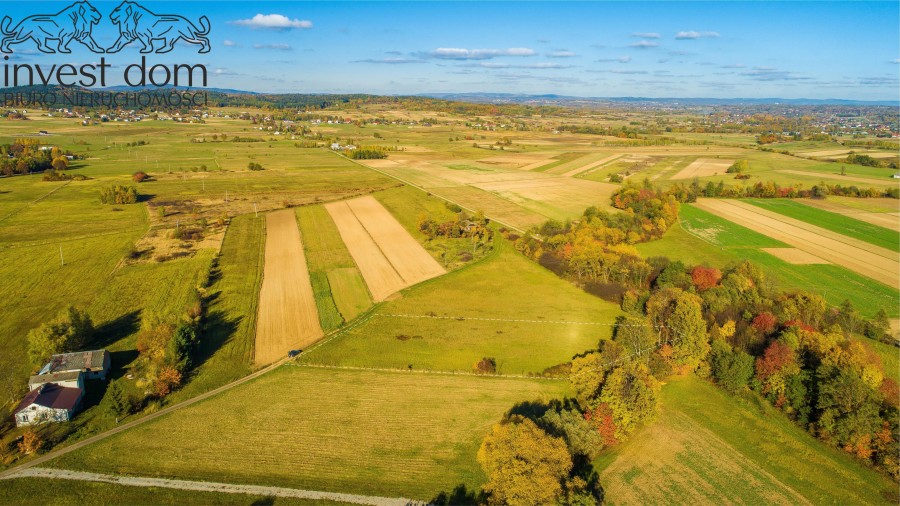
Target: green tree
[
  {"x": 849, "y": 409},
  {"x": 679, "y": 316},
  {"x": 731, "y": 369},
  {"x": 631, "y": 392},
  {"x": 524, "y": 465},
  {"x": 72, "y": 330},
  {"x": 116, "y": 401},
  {"x": 580, "y": 435}
]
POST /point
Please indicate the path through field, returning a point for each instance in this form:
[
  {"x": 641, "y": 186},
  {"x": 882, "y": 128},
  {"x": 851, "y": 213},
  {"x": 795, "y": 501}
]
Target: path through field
[
  {"x": 288, "y": 317},
  {"x": 205, "y": 486},
  {"x": 872, "y": 261},
  {"x": 387, "y": 256}
]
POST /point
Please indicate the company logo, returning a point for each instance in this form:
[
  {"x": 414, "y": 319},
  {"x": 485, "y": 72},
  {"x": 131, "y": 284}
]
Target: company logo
[
  {"x": 75, "y": 22},
  {"x": 138, "y": 23},
  {"x": 53, "y": 33},
  {"x": 151, "y": 32}
]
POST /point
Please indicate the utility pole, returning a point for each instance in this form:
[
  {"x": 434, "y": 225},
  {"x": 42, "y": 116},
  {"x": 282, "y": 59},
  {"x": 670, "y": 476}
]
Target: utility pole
[
  {"x": 62, "y": 261},
  {"x": 255, "y": 212}
]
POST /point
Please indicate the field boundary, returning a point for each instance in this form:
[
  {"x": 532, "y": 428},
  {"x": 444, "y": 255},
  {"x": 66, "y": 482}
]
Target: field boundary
[{"x": 207, "y": 486}]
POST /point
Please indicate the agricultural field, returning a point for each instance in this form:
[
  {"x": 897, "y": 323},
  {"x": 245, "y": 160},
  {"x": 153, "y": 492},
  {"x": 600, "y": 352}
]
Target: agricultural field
[
  {"x": 312, "y": 428},
  {"x": 881, "y": 212},
  {"x": 452, "y": 322},
  {"x": 874, "y": 262},
  {"x": 704, "y": 238},
  {"x": 707, "y": 447}
]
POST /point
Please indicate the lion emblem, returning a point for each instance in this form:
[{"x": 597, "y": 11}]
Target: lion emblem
[
  {"x": 137, "y": 23},
  {"x": 75, "y": 22}
]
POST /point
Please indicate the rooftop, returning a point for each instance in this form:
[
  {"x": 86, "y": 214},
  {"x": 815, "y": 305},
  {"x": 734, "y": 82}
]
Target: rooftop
[
  {"x": 51, "y": 396},
  {"x": 78, "y": 361},
  {"x": 54, "y": 377}
]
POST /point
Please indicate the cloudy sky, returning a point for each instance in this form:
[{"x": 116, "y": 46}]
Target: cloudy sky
[{"x": 723, "y": 49}]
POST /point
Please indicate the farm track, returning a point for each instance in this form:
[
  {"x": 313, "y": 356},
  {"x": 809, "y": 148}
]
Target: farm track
[
  {"x": 871, "y": 261},
  {"x": 33, "y": 202},
  {"x": 288, "y": 317},
  {"x": 205, "y": 486}
]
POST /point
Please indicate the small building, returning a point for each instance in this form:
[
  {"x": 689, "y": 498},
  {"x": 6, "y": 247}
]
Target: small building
[
  {"x": 94, "y": 364},
  {"x": 48, "y": 403},
  {"x": 68, "y": 379}
]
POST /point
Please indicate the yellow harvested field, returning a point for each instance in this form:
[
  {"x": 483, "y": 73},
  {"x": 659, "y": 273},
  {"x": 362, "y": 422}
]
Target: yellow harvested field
[
  {"x": 886, "y": 220},
  {"x": 877, "y": 263},
  {"x": 288, "y": 317},
  {"x": 703, "y": 167},
  {"x": 554, "y": 197},
  {"x": 387, "y": 256},
  {"x": 826, "y": 152},
  {"x": 499, "y": 209},
  {"x": 594, "y": 165},
  {"x": 380, "y": 276},
  {"x": 408, "y": 257},
  {"x": 881, "y": 154},
  {"x": 795, "y": 256},
  {"x": 837, "y": 177}
]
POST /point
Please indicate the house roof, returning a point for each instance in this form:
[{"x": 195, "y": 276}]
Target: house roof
[
  {"x": 54, "y": 377},
  {"x": 80, "y": 360},
  {"x": 51, "y": 396}
]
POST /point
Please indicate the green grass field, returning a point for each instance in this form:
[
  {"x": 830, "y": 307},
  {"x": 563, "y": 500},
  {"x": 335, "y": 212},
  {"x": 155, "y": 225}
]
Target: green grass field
[
  {"x": 502, "y": 307},
  {"x": 340, "y": 291},
  {"x": 708, "y": 447},
  {"x": 39, "y": 491},
  {"x": 375, "y": 433},
  {"x": 839, "y": 223},
  {"x": 705, "y": 238}
]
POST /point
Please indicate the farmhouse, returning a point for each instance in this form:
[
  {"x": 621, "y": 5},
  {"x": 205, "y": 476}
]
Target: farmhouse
[
  {"x": 68, "y": 379},
  {"x": 48, "y": 403},
  {"x": 93, "y": 363}
]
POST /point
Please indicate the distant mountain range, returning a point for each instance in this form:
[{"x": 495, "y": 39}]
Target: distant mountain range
[{"x": 552, "y": 99}]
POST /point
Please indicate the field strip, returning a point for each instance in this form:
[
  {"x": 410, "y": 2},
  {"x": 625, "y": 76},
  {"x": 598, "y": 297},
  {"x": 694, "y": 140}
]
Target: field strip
[
  {"x": 207, "y": 486},
  {"x": 886, "y": 220},
  {"x": 405, "y": 254},
  {"x": 835, "y": 236},
  {"x": 812, "y": 239},
  {"x": 288, "y": 317},
  {"x": 409, "y": 183},
  {"x": 703, "y": 167},
  {"x": 507, "y": 320},
  {"x": 425, "y": 371},
  {"x": 597, "y": 164},
  {"x": 838, "y": 177},
  {"x": 381, "y": 277}
]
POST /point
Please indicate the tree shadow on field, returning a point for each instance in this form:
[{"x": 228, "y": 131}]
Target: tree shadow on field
[
  {"x": 459, "y": 496},
  {"x": 264, "y": 501},
  {"x": 145, "y": 197},
  {"x": 218, "y": 329},
  {"x": 117, "y": 329}
]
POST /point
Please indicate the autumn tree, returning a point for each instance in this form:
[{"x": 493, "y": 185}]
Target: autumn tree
[
  {"x": 705, "y": 278},
  {"x": 679, "y": 317},
  {"x": 31, "y": 442},
  {"x": 849, "y": 411},
  {"x": 524, "y": 465},
  {"x": 631, "y": 393},
  {"x": 587, "y": 376}
]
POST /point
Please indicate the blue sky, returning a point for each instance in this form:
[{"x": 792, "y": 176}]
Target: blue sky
[{"x": 845, "y": 50}]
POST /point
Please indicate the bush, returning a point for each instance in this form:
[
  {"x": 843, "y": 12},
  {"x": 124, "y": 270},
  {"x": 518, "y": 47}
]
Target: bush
[
  {"x": 139, "y": 176},
  {"x": 254, "y": 166},
  {"x": 487, "y": 365},
  {"x": 117, "y": 194}
]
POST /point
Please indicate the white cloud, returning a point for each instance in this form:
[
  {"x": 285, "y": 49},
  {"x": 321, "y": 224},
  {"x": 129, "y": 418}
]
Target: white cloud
[
  {"x": 230, "y": 43},
  {"x": 280, "y": 47},
  {"x": 561, "y": 53},
  {"x": 224, "y": 72},
  {"x": 644, "y": 44},
  {"x": 896, "y": 61},
  {"x": 273, "y": 22},
  {"x": 690, "y": 35},
  {"x": 646, "y": 35},
  {"x": 455, "y": 53},
  {"x": 390, "y": 61},
  {"x": 621, "y": 59}
]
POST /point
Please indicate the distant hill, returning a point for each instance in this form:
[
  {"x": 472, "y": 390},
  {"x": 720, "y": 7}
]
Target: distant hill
[{"x": 563, "y": 100}]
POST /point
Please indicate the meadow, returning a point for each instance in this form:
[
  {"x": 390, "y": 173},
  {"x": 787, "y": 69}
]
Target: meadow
[
  {"x": 707, "y": 447},
  {"x": 325, "y": 429},
  {"x": 504, "y": 307}
]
